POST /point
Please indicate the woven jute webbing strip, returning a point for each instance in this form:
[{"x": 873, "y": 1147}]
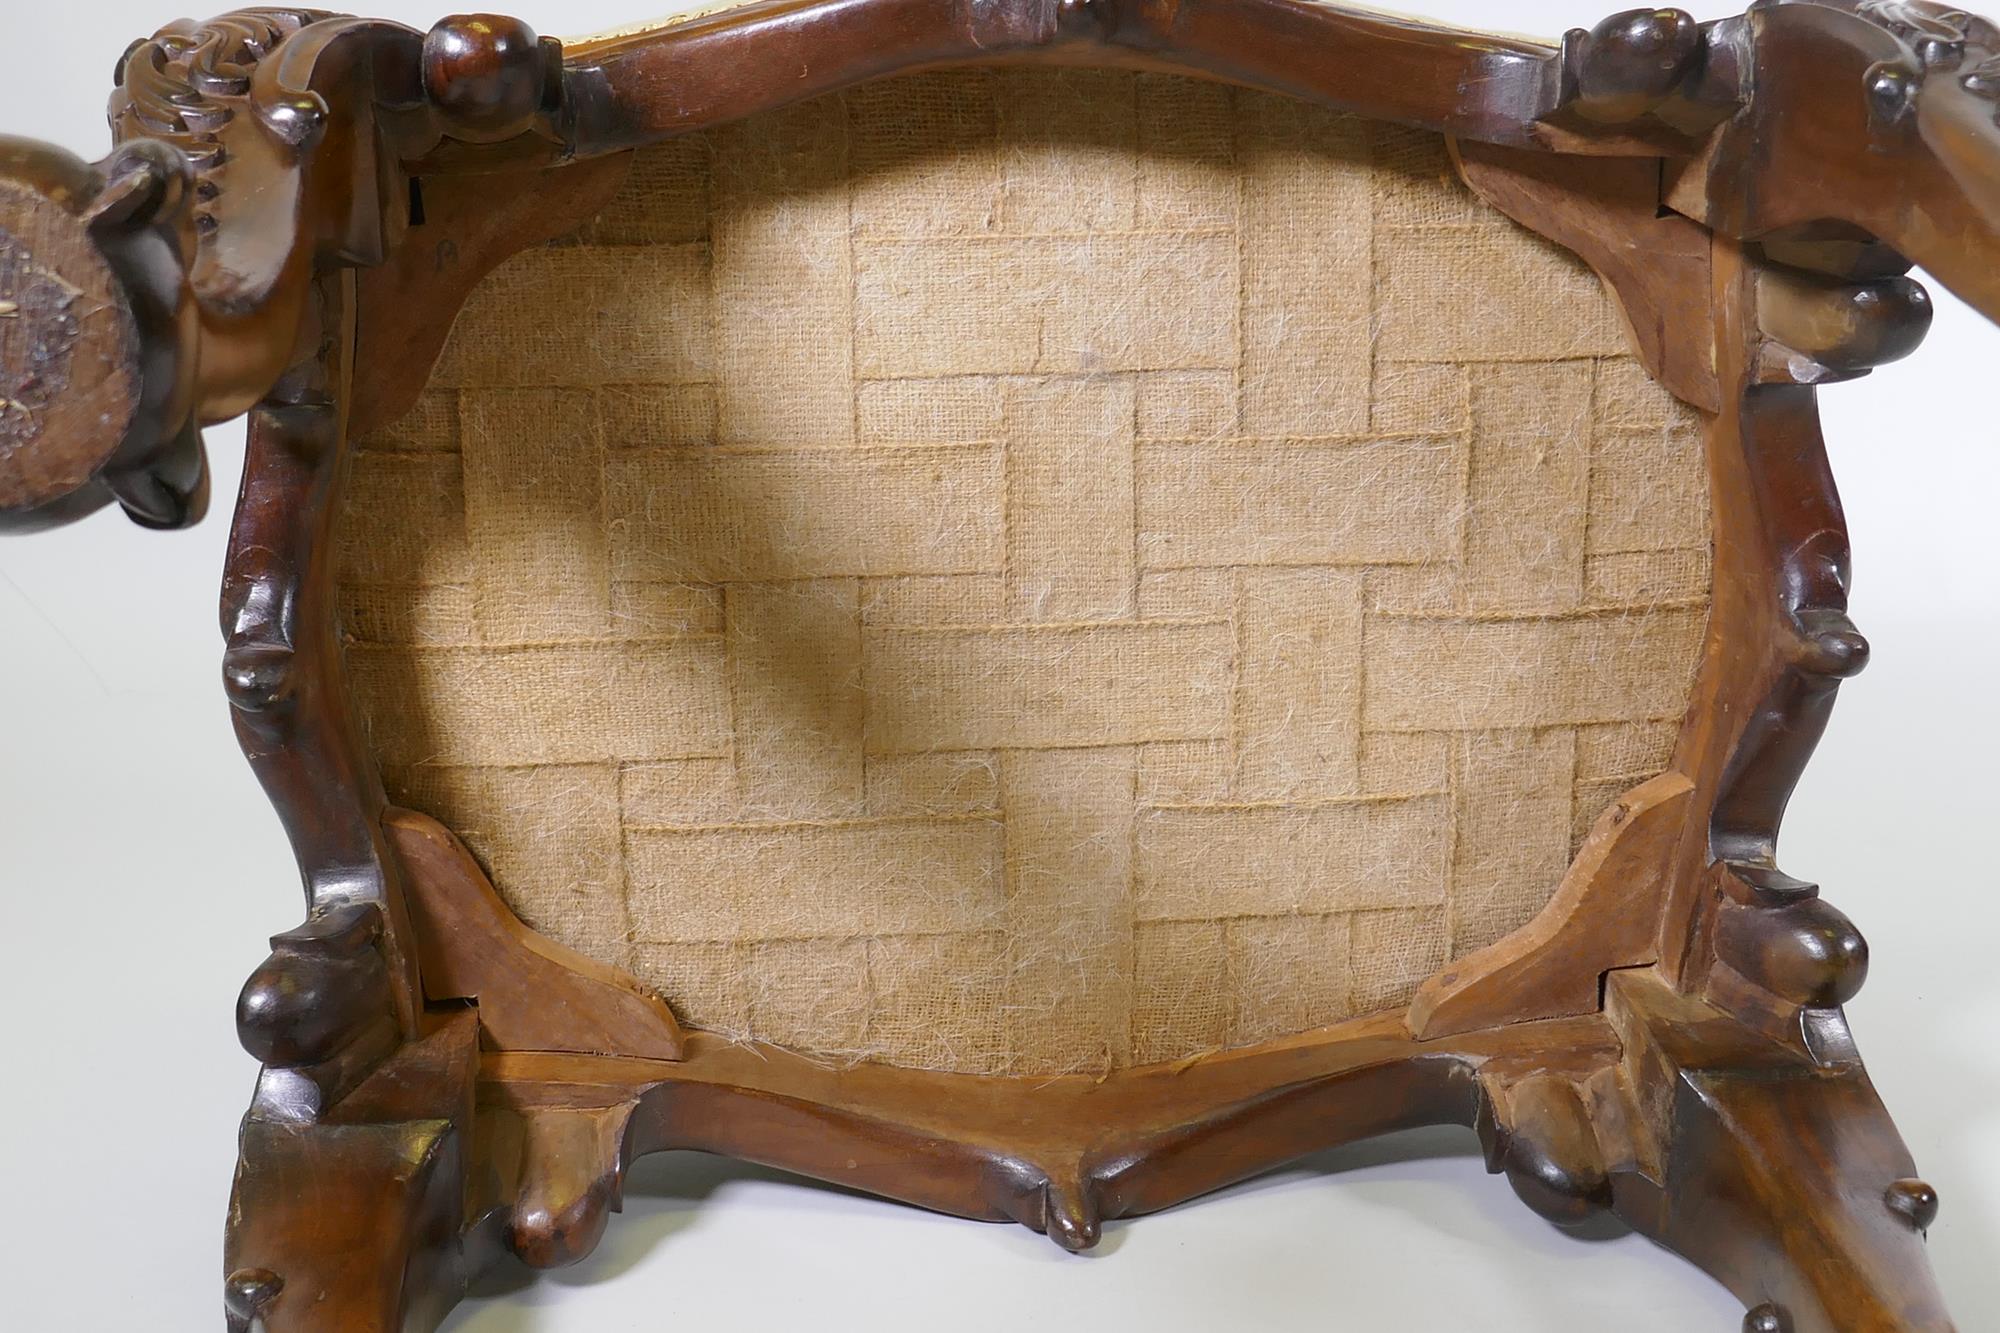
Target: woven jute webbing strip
[{"x": 1030, "y": 572}]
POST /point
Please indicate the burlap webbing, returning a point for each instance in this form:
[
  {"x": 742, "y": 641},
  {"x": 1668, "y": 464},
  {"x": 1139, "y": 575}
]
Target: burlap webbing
[{"x": 1030, "y": 572}]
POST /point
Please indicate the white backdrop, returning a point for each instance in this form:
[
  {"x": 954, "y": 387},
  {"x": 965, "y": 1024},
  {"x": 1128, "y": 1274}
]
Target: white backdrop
[{"x": 140, "y": 870}]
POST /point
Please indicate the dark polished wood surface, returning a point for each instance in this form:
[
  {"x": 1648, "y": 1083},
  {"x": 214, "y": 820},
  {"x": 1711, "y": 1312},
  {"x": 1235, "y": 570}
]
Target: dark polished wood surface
[{"x": 1665, "y": 1043}]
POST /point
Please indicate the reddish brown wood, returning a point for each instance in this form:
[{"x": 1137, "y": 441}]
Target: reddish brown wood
[
  {"x": 1780, "y": 644},
  {"x": 1631, "y": 63},
  {"x": 1604, "y": 915},
  {"x": 533, "y": 994},
  {"x": 1059, "y": 1155},
  {"x": 686, "y": 76},
  {"x": 471, "y": 224},
  {"x": 1618, "y": 1111},
  {"x": 353, "y": 1221},
  {"x": 1655, "y": 263},
  {"x": 1874, "y": 113},
  {"x": 490, "y": 76},
  {"x": 1819, "y": 328},
  {"x": 1783, "y": 1178},
  {"x": 1665, "y": 1042},
  {"x": 259, "y": 150},
  {"x": 323, "y": 983},
  {"x": 569, "y": 1177},
  {"x": 281, "y": 662}
]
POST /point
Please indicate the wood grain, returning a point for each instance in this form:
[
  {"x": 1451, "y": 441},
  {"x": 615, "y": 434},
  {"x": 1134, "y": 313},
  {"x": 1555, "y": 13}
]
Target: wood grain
[
  {"x": 1714, "y": 1099},
  {"x": 533, "y": 994}
]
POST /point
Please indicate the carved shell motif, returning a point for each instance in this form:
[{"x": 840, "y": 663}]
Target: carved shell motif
[
  {"x": 184, "y": 82},
  {"x": 1936, "y": 34},
  {"x": 1940, "y": 38}
]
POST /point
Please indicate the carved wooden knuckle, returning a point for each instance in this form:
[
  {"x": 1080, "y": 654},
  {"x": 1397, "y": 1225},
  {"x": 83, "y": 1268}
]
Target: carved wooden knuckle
[
  {"x": 546, "y": 1232},
  {"x": 1538, "y": 1132},
  {"x": 1829, "y": 645},
  {"x": 247, "y": 1296},
  {"x": 1935, "y": 34},
  {"x": 1827, "y": 329},
  {"x": 323, "y": 984},
  {"x": 570, "y": 1183},
  {"x": 1913, "y": 1201},
  {"x": 489, "y": 76},
  {"x": 1071, "y": 1216},
  {"x": 259, "y": 677},
  {"x": 1064, "y": 1202},
  {"x": 1891, "y": 86},
  {"x": 1932, "y": 39},
  {"x": 262, "y": 674},
  {"x": 1806, "y": 952},
  {"x": 1632, "y": 62}
]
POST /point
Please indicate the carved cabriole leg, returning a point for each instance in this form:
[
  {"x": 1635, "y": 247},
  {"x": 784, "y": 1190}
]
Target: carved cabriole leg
[
  {"x": 367, "y": 1082},
  {"x": 352, "y": 1222},
  {"x": 167, "y": 285},
  {"x": 1783, "y": 1178},
  {"x": 383, "y": 1208},
  {"x": 1780, "y": 1176},
  {"x": 1877, "y": 113}
]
